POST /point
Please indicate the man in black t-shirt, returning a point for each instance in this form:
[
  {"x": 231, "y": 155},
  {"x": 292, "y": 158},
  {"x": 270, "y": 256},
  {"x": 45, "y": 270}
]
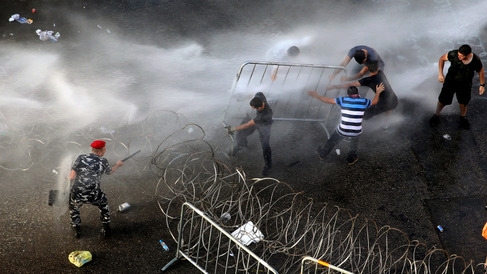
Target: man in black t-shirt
[
  {"x": 458, "y": 80},
  {"x": 262, "y": 122}
]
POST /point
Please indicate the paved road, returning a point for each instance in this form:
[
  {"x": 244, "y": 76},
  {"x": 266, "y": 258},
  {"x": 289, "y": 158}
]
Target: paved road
[{"x": 408, "y": 176}]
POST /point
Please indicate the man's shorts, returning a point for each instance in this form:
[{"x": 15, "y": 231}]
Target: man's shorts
[
  {"x": 463, "y": 91},
  {"x": 381, "y": 107}
]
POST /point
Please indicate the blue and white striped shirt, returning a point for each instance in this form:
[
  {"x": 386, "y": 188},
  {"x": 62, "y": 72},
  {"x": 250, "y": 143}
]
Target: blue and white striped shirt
[{"x": 352, "y": 115}]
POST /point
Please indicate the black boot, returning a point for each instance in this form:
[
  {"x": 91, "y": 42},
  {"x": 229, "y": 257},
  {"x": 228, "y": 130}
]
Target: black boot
[
  {"x": 105, "y": 230},
  {"x": 77, "y": 231}
]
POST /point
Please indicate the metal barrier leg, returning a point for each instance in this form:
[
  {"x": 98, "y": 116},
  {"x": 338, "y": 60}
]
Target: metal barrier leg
[{"x": 173, "y": 261}]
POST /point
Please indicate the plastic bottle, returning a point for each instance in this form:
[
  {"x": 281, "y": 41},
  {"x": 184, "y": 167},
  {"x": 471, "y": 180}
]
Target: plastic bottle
[
  {"x": 22, "y": 20},
  {"x": 164, "y": 246}
]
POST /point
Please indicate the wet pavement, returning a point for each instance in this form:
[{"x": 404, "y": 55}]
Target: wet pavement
[{"x": 408, "y": 176}]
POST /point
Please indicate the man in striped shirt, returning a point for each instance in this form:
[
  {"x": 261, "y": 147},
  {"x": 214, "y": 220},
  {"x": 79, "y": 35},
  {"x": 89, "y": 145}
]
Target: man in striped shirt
[{"x": 352, "y": 109}]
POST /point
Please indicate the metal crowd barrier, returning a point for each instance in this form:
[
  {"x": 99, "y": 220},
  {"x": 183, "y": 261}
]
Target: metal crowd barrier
[
  {"x": 312, "y": 265},
  {"x": 286, "y": 94},
  {"x": 211, "y": 249}
]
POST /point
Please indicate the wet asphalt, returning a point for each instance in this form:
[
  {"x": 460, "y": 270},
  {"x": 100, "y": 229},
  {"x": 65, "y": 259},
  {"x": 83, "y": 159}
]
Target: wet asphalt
[{"x": 409, "y": 176}]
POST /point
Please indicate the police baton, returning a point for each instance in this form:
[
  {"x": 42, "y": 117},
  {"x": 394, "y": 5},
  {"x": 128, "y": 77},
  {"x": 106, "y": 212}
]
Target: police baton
[{"x": 130, "y": 156}]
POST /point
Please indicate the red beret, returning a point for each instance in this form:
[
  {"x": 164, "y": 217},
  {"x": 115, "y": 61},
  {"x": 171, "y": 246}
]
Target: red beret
[{"x": 98, "y": 144}]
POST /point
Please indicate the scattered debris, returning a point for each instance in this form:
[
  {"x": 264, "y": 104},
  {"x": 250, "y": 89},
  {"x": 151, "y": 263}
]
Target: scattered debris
[
  {"x": 164, "y": 246},
  {"x": 79, "y": 258},
  {"x": 22, "y": 20},
  {"x": 248, "y": 234},
  {"x": 440, "y": 228},
  {"x": 123, "y": 207},
  {"x": 225, "y": 216},
  {"x": 48, "y": 35},
  {"x": 447, "y": 137}
]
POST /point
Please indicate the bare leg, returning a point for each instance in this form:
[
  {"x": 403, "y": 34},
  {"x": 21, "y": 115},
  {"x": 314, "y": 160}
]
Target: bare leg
[
  {"x": 439, "y": 108},
  {"x": 463, "y": 110}
]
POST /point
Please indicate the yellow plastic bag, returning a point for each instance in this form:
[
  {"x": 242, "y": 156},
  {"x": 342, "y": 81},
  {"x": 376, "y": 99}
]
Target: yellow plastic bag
[{"x": 79, "y": 258}]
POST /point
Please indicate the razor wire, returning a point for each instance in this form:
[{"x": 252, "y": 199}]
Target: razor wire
[
  {"x": 190, "y": 168},
  {"x": 293, "y": 225}
]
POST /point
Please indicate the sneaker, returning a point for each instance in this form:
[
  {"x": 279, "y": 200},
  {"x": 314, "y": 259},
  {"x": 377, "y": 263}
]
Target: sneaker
[
  {"x": 106, "y": 231},
  {"x": 464, "y": 123},
  {"x": 320, "y": 153},
  {"x": 434, "y": 120},
  {"x": 77, "y": 231},
  {"x": 352, "y": 160}
]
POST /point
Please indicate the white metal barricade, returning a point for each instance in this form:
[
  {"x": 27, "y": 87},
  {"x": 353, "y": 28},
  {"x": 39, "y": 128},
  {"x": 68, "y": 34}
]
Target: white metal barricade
[
  {"x": 286, "y": 94},
  {"x": 312, "y": 265},
  {"x": 211, "y": 249}
]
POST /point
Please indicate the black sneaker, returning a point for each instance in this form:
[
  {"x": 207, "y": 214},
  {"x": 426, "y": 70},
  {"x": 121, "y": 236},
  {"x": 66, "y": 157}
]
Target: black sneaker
[
  {"x": 106, "y": 231},
  {"x": 352, "y": 160},
  {"x": 77, "y": 231},
  {"x": 320, "y": 153},
  {"x": 434, "y": 120},
  {"x": 464, "y": 123}
]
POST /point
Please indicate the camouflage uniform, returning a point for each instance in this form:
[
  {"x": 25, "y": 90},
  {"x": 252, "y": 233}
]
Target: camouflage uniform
[{"x": 86, "y": 187}]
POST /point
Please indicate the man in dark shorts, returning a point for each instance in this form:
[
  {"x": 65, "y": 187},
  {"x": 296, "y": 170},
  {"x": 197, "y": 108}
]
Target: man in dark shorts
[
  {"x": 387, "y": 100},
  {"x": 262, "y": 122},
  {"x": 86, "y": 173},
  {"x": 458, "y": 80}
]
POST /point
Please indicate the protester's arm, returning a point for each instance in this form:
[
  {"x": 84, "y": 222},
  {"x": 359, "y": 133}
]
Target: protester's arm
[
  {"x": 482, "y": 81},
  {"x": 250, "y": 123},
  {"x": 441, "y": 65},
  {"x": 344, "y": 63},
  {"x": 343, "y": 85},
  {"x": 378, "y": 90},
  {"x": 274, "y": 73},
  {"x": 361, "y": 73},
  {"x": 321, "y": 98}
]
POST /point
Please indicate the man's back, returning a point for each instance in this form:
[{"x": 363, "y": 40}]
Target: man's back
[{"x": 352, "y": 110}]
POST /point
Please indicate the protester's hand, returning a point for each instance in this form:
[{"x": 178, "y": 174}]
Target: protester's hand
[
  {"x": 273, "y": 77},
  {"x": 119, "y": 163},
  {"x": 380, "y": 88},
  {"x": 481, "y": 90},
  {"x": 313, "y": 94},
  {"x": 343, "y": 78},
  {"x": 441, "y": 78},
  {"x": 230, "y": 130},
  {"x": 331, "y": 77}
]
